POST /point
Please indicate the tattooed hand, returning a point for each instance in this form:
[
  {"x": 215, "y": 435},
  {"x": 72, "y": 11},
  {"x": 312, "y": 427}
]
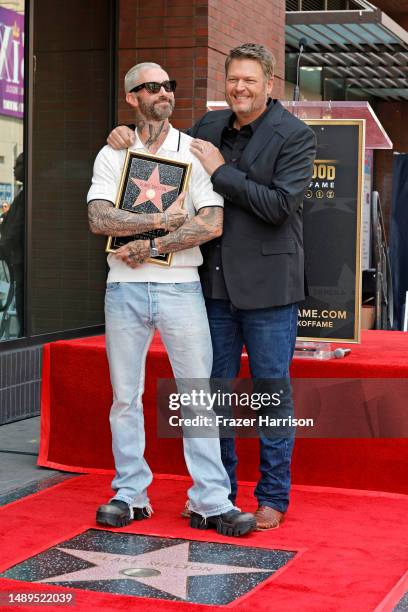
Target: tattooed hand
[
  {"x": 175, "y": 214},
  {"x": 134, "y": 253}
]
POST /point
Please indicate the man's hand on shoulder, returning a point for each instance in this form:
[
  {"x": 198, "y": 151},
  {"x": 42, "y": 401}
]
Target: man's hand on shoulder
[
  {"x": 208, "y": 154},
  {"x": 121, "y": 137}
]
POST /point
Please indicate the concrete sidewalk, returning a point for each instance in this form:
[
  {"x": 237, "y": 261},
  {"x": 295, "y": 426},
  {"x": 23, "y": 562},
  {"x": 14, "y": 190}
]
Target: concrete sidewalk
[{"x": 19, "y": 473}]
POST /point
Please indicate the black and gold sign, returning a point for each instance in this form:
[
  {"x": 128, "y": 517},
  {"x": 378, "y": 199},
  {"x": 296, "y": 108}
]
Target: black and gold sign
[
  {"x": 149, "y": 184},
  {"x": 332, "y": 223}
]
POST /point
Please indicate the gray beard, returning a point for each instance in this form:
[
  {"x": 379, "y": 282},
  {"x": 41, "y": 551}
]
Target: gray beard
[{"x": 153, "y": 113}]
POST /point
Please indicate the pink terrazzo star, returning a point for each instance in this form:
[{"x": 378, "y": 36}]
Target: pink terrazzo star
[
  {"x": 169, "y": 568},
  {"x": 152, "y": 190}
]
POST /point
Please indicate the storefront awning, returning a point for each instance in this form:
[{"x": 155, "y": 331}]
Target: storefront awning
[{"x": 361, "y": 45}]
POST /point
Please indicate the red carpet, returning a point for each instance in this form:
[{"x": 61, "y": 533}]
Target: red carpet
[
  {"x": 76, "y": 398},
  {"x": 353, "y": 545}
]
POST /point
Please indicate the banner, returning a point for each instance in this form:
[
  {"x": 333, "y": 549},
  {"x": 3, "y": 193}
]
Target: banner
[
  {"x": 11, "y": 63},
  {"x": 366, "y": 229},
  {"x": 332, "y": 233},
  {"x": 398, "y": 236}
]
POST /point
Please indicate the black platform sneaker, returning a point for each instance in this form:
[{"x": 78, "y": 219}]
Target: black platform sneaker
[
  {"x": 232, "y": 523},
  {"x": 118, "y": 513}
]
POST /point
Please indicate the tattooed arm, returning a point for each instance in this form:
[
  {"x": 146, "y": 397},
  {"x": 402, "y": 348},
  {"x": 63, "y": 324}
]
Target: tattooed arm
[
  {"x": 107, "y": 220},
  {"x": 205, "y": 226}
]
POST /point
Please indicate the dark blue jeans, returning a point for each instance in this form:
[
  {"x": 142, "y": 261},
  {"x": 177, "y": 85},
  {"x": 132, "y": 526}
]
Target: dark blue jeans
[{"x": 269, "y": 335}]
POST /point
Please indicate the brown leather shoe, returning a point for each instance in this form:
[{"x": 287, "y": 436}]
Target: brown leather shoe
[{"x": 268, "y": 518}]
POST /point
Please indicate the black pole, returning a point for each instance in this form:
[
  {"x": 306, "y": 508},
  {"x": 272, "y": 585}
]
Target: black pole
[{"x": 296, "y": 91}]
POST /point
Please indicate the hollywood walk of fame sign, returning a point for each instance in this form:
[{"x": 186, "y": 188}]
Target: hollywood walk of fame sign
[
  {"x": 332, "y": 215},
  {"x": 153, "y": 567},
  {"x": 149, "y": 184}
]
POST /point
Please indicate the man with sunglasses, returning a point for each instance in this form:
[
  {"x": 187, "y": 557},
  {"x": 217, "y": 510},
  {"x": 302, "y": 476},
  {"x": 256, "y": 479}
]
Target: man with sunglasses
[
  {"x": 142, "y": 298},
  {"x": 260, "y": 159}
]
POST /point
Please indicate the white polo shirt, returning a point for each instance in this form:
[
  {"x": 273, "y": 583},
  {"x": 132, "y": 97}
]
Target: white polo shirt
[{"x": 105, "y": 184}]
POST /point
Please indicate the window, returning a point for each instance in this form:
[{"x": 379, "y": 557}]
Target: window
[{"x": 12, "y": 198}]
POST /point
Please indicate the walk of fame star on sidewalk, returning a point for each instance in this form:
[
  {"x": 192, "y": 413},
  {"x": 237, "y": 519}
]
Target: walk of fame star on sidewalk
[
  {"x": 153, "y": 567},
  {"x": 151, "y": 190},
  {"x": 168, "y": 567}
]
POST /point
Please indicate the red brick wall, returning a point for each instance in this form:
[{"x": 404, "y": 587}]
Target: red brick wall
[
  {"x": 173, "y": 33},
  {"x": 190, "y": 39},
  {"x": 233, "y": 22}
]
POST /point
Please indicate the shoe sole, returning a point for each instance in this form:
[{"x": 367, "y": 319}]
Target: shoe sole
[
  {"x": 269, "y": 528},
  {"x": 221, "y": 528},
  {"x": 104, "y": 518}
]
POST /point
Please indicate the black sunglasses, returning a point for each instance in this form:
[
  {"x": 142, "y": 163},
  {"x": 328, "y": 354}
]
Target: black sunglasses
[{"x": 153, "y": 87}]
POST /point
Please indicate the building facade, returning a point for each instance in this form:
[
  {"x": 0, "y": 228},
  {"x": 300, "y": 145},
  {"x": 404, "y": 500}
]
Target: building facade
[
  {"x": 60, "y": 98},
  {"x": 61, "y": 72}
]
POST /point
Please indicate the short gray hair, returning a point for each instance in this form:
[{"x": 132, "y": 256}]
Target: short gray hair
[
  {"x": 256, "y": 52},
  {"x": 132, "y": 76}
]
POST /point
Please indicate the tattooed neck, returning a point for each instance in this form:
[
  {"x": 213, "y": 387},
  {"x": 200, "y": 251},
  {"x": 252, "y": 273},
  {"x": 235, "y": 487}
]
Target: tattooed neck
[{"x": 153, "y": 134}]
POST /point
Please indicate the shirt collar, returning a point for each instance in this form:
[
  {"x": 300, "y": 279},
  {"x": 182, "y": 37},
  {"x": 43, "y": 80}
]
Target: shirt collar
[{"x": 171, "y": 142}]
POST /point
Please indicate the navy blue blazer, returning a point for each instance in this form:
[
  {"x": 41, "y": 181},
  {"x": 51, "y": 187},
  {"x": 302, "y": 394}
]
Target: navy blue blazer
[{"x": 262, "y": 242}]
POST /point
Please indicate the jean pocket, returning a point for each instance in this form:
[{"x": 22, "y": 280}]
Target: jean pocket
[
  {"x": 112, "y": 287},
  {"x": 193, "y": 287}
]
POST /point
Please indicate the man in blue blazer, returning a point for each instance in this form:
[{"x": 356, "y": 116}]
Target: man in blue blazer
[{"x": 260, "y": 159}]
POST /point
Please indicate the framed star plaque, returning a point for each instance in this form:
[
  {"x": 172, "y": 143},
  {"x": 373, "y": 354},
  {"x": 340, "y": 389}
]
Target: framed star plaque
[{"x": 149, "y": 185}]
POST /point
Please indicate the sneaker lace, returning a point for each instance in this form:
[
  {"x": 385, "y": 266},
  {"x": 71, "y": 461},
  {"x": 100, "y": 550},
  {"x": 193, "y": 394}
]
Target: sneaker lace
[{"x": 147, "y": 511}]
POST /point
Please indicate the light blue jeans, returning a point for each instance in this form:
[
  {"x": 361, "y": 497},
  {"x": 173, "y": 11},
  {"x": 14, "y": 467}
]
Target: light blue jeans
[{"x": 133, "y": 311}]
